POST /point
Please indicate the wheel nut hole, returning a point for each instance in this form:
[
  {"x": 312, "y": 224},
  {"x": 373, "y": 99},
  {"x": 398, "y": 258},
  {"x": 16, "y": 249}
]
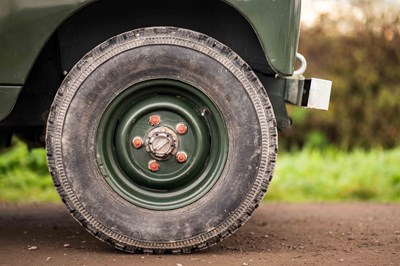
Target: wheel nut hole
[{"x": 205, "y": 112}]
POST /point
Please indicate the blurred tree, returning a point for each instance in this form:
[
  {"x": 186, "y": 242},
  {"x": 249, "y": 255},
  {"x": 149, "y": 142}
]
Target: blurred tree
[{"x": 359, "y": 50}]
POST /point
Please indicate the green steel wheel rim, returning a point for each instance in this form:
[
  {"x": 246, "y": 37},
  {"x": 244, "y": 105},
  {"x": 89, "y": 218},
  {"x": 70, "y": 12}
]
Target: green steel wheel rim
[{"x": 126, "y": 167}]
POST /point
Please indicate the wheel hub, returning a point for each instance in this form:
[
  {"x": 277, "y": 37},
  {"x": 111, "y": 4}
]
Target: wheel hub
[
  {"x": 162, "y": 143},
  {"x": 157, "y": 148}
]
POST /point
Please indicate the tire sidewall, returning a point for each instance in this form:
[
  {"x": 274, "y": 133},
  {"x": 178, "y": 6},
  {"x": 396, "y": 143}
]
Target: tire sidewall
[{"x": 104, "y": 74}]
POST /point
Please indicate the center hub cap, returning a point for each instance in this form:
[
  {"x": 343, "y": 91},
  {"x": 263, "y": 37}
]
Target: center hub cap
[{"x": 161, "y": 143}]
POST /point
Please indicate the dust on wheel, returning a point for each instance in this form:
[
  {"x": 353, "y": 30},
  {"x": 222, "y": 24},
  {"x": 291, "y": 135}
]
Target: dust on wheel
[{"x": 161, "y": 140}]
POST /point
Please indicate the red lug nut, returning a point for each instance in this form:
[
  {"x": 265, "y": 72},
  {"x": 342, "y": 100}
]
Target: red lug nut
[
  {"x": 154, "y": 166},
  {"x": 154, "y": 120},
  {"x": 137, "y": 142},
  {"x": 181, "y": 129},
  {"x": 181, "y": 157}
]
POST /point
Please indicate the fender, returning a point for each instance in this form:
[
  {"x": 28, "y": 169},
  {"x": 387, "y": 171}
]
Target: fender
[
  {"x": 275, "y": 23},
  {"x": 26, "y": 26}
]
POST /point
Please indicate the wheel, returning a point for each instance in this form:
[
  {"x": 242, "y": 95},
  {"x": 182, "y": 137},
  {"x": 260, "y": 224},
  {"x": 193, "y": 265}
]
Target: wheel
[{"x": 161, "y": 140}]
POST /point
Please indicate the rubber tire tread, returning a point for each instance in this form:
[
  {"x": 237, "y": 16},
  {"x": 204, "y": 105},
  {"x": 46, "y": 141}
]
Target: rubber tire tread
[{"x": 54, "y": 126}]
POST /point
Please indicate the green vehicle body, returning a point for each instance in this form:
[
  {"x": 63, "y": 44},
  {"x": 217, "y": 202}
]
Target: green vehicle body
[
  {"x": 27, "y": 25},
  {"x": 160, "y": 118}
]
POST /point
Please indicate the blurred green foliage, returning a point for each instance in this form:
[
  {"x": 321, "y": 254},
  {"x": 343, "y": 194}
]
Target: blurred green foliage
[
  {"x": 333, "y": 175},
  {"x": 24, "y": 176},
  {"x": 359, "y": 50}
]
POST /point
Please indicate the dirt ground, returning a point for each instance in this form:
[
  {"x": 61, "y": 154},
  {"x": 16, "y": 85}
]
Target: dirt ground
[{"x": 277, "y": 234}]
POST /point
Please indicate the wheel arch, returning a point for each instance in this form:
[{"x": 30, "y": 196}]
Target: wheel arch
[
  {"x": 96, "y": 21},
  {"x": 92, "y": 22},
  {"x": 101, "y": 20}
]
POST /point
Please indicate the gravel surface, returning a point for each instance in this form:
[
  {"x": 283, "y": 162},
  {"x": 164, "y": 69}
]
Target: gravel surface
[{"x": 277, "y": 234}]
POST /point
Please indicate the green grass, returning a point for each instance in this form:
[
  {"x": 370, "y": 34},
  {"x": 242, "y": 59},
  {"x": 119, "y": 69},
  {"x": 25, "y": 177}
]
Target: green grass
[
  {"x": 302, "y": 176},
  {"x": 24, "y": 176},
  {"x": 333, "y": 175}
]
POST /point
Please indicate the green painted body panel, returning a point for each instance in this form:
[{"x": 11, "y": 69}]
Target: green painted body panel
[
  {"x": 26, "y": 25},
  {"x": 276, "y": 23},
  {"x": 8, "y": 97}
]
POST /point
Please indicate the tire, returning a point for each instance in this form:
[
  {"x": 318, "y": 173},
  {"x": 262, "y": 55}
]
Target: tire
[{"x": 166, "y": 76}]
